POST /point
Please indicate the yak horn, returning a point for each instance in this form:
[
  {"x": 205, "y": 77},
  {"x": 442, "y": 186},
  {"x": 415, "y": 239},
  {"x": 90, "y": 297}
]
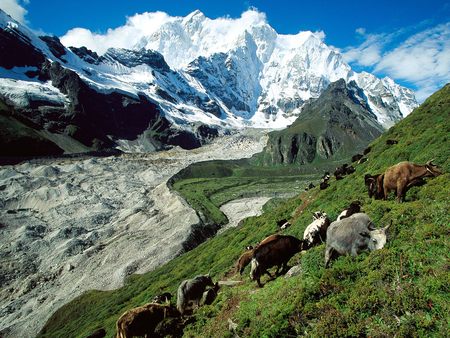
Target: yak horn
[
  {"x": 387, "y": 226},
  {"x": 430, "y": 162}
]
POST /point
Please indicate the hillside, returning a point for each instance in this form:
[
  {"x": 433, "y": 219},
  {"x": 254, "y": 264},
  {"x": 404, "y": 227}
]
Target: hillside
[
  {"x": 18, "y": 139},
  {"x": 332, "y": 127},
  {"x": 401, "y": 290}
]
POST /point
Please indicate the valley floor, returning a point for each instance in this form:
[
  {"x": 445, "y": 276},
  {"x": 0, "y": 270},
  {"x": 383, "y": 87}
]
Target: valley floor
[
  {"x": 242, "y": 208},
  {"x": 71, "y": 225}
]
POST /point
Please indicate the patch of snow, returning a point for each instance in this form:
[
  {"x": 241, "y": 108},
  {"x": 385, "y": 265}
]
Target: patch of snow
[{"x": 21, "y": 92}]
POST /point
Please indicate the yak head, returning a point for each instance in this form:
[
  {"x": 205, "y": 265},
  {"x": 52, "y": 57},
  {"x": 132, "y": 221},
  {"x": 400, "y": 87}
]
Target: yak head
[
  {"x": 378, "y": 238},
  {"x": 319, "y": 214},
  {"x": 432, "y": 169}
]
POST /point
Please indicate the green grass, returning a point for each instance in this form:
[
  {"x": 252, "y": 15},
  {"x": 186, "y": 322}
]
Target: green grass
[
  {"x": 206, "y": 195},
  {"x": 208, "y": 185},
  {"x": 402, "y": 290}
]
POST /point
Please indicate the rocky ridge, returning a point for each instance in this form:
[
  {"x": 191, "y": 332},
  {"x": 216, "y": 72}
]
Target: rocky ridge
[{"x": 335, "y": 126}]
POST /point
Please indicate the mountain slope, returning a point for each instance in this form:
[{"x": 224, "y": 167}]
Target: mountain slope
[
  {"x": 184, "y": 75},
  {"x": 58, "y": 90},
  {"x": 402, "y": 289},
  {"x": 18, "y": 139},
  {"x": 333, "y": 127}
]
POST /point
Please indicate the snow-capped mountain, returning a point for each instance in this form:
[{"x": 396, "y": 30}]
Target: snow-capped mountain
[
  {"x": 192, "y": 71},
  {"x": 287, "y": 69}
]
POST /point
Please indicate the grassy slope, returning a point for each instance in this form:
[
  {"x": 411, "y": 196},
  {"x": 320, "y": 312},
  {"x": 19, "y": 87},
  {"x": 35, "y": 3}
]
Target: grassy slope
[
  {"x": 400, "y": 290},
  {"x": 208, "y": 185}
]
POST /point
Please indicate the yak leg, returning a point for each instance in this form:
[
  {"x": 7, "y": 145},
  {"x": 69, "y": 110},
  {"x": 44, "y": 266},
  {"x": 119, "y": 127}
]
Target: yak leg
[
  {"x": 283, "y": 268},
  {"x": 355, "y": 250},
  {"x": 259, "y": 282},
  {"x": 278, "y": 272},
  {"x": 386, "y": 191},
  {"x": 328, "y": 254},
  {"x": 401, "y": 185}
]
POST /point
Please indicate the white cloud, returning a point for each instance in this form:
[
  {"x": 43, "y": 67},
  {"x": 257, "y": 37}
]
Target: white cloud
[
  {"x": 122, "y": 37},
  {"x": 423, "y": 59},
  {"x": 360, "y": 30},
  {"x": 144, "y": 25},
  {"x": 369, "y": 52},
  {"x": 15, "y": 9}
]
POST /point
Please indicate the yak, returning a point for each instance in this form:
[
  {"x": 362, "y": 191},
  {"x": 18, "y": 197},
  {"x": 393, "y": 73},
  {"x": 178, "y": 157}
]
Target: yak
[
  {"x": 244, "y": 260},
  {"x": 374, "y": 184},
  {"x": 391, "y": 142},
  {"x": 406, "y": 174},
  {"x": 283, "y": 224},
  {"x": 162, "y": 298},
  {"x": 210, "y": 294},
  {"x": 353, "y": 235},
  {"x": 353, "y": 208},
  {"x": 323, "y": 185},
  {"x": 191, "y": 290},
  {"x": 276, "y": 252},
  {"x": 357, "y": 157},
  {"x": 363, "y": 160},
  {"x": 142, "y": 321},
  {"x": 247, "y": 256},
  {"x": 316, "y": 232}
]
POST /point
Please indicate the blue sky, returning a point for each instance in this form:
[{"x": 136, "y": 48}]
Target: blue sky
[{"x": 406, "y": 40}]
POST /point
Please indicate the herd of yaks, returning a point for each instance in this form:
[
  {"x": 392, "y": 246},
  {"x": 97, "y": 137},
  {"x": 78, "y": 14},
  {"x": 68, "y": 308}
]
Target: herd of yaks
[{"x": 352, "y": 232}]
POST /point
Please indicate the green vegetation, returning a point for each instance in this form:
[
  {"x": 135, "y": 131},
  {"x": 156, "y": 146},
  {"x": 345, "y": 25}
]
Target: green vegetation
[
  {"x": 208, "y": 185},
  {"x": 401, "y": 290}
]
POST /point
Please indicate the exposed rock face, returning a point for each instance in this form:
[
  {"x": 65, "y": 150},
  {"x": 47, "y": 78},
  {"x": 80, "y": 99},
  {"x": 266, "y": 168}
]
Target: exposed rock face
[
  {"x": 55, "y": 46},
  {"x": 86, "y": 54},
  {"x": 63, "y": 111},
  {"x": 16, "y": 49},
  {"x": 18, "y": 140},
  {"x": 133, "y": 58},
  {"x": 334, "y": 126}
]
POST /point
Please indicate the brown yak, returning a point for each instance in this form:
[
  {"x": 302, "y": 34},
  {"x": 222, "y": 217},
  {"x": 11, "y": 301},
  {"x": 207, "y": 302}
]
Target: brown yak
[
  {"x": 246, "y": 257},
  {"x": 142, "y": 321},
  {"x": 404, "y": 175},
  {"x": 276, "y": 252}
]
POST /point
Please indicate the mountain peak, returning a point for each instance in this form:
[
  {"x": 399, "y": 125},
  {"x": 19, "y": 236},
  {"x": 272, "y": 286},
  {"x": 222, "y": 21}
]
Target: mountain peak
[{"x": 197, "y": 13}]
